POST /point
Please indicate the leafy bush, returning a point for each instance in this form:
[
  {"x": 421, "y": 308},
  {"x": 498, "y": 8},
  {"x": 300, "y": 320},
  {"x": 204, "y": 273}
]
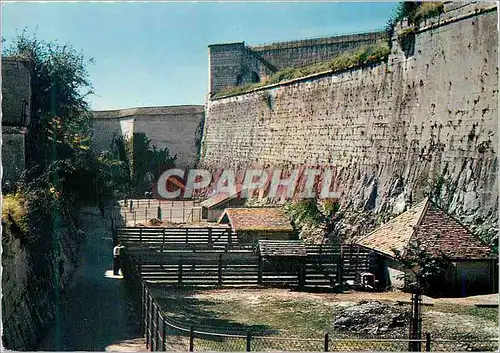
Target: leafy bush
[
  {"x": 14, "y": 211},
  {"x": 365, "y": 55}
]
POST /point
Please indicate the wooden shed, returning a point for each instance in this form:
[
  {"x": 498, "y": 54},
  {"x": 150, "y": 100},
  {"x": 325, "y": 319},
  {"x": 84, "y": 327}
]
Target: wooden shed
[
  {"x": 213, "y": 207},
  {"x": 258, "y": 223},
  {"x": 474, "y": 267}
]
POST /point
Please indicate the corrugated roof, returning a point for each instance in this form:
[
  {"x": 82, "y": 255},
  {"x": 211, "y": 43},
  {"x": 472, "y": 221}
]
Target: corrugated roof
[
  {"x": 434, "y": 228},
  {"x": 291, "y": 248},
  {"x": 272, "y": 219}
]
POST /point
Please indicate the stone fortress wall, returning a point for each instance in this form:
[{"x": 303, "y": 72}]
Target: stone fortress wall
[
  {"x": 427, "y": 116},
  {"x": 234, "y": 64},
  {"x": 175, "y": 127},
  {"x": 16, "y": 113}
]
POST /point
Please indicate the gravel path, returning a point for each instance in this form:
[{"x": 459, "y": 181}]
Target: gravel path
[{"x": 96, "y": 311}]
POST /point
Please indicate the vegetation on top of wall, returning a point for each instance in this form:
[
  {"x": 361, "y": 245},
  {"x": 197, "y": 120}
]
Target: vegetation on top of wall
[
  {"x": 426, "y": 10},
  {"x": 414, "y": 11},
  {"x": 365, "y": 55}
]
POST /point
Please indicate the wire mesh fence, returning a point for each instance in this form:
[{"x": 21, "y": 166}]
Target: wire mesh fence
[{"x": 164, "y": 332}]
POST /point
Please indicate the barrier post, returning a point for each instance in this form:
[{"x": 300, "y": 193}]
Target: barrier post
[
  {"x": 164, "y": 335},
  {"x": 249, "y": 341},
  {"x": 220, "y": 271},
  {"x": 191, "y": 339},
  {"x": 327, "y": 339},
  {"x": 427, "y": 342}
]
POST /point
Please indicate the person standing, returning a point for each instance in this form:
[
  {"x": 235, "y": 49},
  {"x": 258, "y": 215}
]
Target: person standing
[{"x": 116, "y": 259}]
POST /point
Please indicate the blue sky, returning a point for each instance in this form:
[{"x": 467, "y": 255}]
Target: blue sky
[{"x": 152, "y": 53}]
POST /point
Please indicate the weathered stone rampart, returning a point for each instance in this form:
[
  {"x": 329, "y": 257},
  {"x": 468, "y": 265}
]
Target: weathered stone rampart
[
  {"x": 235, "y": 64},
  {"x": 427, "y": 117}
]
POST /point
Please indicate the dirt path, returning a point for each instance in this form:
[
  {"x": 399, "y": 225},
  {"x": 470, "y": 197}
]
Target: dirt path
[{"x": 96, "y": 311}]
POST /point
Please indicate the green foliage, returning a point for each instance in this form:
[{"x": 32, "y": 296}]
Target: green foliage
[
  {"x": 305, "y": 211},
  {"x": 365, "y": 55},
  {"x": 114, "y": 176},
  {"x": 14, "y": 211},
  {"x": 136, "y": 163},
  {"x": 414, "y": 11},
  {"x": 60, "y": 125},
  {"x": 62, "y": 172},
  {"x": 423, "y": 263},
  {"x": 426, "y": 10}
]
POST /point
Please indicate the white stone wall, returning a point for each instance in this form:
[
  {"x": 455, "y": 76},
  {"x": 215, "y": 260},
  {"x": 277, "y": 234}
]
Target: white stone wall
[{"x": 176, "y": 127}]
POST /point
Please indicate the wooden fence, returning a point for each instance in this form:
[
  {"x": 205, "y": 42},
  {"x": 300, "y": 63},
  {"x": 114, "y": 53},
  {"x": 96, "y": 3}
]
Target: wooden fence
[
  {"x": 161, "y": 237},
  {"x": 212, "y": 257}
]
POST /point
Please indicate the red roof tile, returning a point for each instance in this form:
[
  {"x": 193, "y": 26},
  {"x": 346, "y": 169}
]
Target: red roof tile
[
  {"x": 437, "y": 230},
  {"x": 258, "y": 218}
]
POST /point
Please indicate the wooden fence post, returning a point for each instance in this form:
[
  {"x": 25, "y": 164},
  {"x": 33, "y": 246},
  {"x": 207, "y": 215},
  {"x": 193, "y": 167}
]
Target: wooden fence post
[
  {"x": 191, "y": 339},
  {"x": 340, "y": 269},
  {"x": 259, "y": 276},
  {"x": 327, "y": 341},
  {"x": 146, "y": 321},
  {"x": 164, "y": 335},
  {"x": 143, "y": 298},
  {"x": 302, "y": 275},
  {"x": 220, "y": 271},
  {"x": 249, "y": 341}
]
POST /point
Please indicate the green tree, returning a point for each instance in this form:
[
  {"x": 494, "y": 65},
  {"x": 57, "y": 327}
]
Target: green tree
[
  {"x": 422, "y": 264},
  {"x": 60, "y": 126}
]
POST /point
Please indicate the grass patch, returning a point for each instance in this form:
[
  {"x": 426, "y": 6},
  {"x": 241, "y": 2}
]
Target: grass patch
[
  {"x": 426, "y": 10},
  {"x": 14, "y": 211},
  {"x": 365, "y": 55},
  {"x": 490, "y": 314}
]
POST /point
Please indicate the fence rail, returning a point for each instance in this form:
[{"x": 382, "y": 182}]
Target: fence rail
[
  {"x": 163, "y": 333},
  {"x": 184, "y": 256},
  {"x": 142, "y": 210},
  {"x": 163, "y": 237}
]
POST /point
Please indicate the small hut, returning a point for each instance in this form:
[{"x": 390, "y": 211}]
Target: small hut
[
  {"x": 213, "y": 207},
  {"x": 474, "y": 267},
  {"x": 257, "y": 223}
]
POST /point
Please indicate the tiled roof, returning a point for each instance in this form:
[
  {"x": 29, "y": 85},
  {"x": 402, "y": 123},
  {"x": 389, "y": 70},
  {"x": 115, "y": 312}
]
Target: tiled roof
[
  {"x": 434, "y": 228},
  {"x": 439, "y": 231},
  {"x": 271, "y": 219},
  {"x": 292, "y": 248},
  {"x": 396, "y": 233}
]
